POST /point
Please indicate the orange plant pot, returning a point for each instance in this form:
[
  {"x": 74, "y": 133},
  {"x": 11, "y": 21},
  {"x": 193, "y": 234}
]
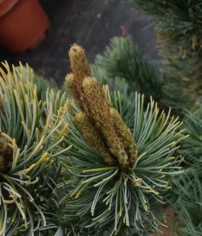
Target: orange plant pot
[{"x": 23, "y": 24}]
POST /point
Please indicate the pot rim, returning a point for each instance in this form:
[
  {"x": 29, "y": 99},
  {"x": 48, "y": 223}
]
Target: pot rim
[{"x": 6, "y": 6}]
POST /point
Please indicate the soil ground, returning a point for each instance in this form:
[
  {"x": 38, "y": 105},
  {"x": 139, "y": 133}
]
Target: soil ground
[
  {"x": 171, "y": 219},
  {"x": 90, "y": 23}
]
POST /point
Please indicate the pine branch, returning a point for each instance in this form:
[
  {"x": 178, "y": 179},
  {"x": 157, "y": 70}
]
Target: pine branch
[
  {"x": 102, "y": 198},
  {"x": 29, "y": 75},
  {"x": 178, "y": 27},
  {"x": 98, "y": 118},
  {"x": 155, "y": 8},
  {"x": 124, "y": 60},
  {"x": 187, "y": 188},
  {"x": 29, "y": 149},
  {"x": 191, "y": 148}
]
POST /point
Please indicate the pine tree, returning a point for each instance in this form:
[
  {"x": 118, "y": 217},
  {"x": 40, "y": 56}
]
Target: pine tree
[
  {"x": 102, "y": 155},
  {"x": 118, "y": 173},
  {"x": 178, "y": 28},
  {"x": 93, "y": 164},
  {"x": 29, "y": 139}
]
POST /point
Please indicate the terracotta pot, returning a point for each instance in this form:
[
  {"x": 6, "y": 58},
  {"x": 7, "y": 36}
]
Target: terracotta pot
[{"x": 23, "y": 24}]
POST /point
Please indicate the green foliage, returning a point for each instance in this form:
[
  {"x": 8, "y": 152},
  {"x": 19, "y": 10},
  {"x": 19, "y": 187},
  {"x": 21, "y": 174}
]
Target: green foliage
[
  {"x": 125, "y": 107},
  {"x": 41, "y": 83},
  {"x": 178, "y": 26},
  {"x": 38, "y": 181},
  {"x": 52, "y": 182},
  {"x": 187, "y": 188},
  {"x": 104, "y": 200},
  {"x": 191, "y": 148},
  {"x": 124, "y": 60},
  {"x": 29, "y": 166}
]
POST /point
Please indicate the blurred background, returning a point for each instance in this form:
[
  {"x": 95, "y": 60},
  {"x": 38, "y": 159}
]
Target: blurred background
[{"x": 90, "y": 23}]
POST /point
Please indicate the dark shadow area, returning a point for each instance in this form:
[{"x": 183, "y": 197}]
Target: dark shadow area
[{"x": 90, "y": 23}]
